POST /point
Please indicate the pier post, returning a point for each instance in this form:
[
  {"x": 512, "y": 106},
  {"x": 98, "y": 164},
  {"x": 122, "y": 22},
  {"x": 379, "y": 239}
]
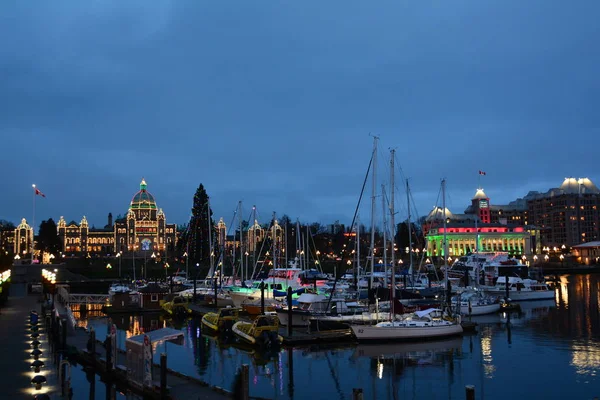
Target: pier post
[
  {"x": 470, "y": 392},
  {"x": 163, "y": 376},
  {"x": 262, "y": 298},
  {"x": 92, "y": 347},
  {"x": 289, "y": 310},
  {"x": 109, "y": 353},
  {"x": 245, "y": 382},
  {"x": 63, "y": 338},
  {"x": 357, "y": 394}
]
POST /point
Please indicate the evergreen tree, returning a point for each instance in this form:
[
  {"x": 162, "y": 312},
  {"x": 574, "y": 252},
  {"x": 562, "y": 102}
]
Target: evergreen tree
[
  {"x": 201, "y": 229},
  {"x": 47, "y": 238}
]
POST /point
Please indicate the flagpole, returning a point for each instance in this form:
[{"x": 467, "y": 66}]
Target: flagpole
[{"x": 33, "y": 225}]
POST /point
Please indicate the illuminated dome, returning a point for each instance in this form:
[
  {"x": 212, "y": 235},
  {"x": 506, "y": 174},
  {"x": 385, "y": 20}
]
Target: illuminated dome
[
  {"x": 437, "y": 214},
  {"x": 143, "y": 199},
  {"x": 581, "y": 185},
  {"x": 480, "y": 195}
]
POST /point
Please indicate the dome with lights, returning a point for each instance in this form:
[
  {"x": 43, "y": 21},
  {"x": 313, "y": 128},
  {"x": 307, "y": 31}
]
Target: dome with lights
[{"x": 143, "y": 199}]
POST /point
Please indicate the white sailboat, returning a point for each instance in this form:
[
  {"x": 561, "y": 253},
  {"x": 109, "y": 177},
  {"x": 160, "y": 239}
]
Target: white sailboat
[{"x": 426, "y": 324}]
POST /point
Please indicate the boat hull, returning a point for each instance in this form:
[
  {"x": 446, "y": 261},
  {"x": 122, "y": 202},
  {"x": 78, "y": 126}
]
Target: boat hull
[
  {"x": 480, "y": 309},
  {"x": 516, "y": 295},
  {"x": 365, "y": 333},
  {"x": 299, "y": 319}
]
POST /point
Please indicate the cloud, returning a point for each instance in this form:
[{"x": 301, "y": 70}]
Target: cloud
[{"x": 272, "y": 103}]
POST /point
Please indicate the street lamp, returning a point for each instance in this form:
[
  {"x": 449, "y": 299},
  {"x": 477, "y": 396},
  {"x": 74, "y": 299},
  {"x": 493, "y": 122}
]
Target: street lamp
[
  {"x": 187, "y": 271},
  {"x": 108, "y": 266},
  {"x": 535, "y": 257},
  {"x": 562, "y": 258},
  {"x": 119, "y": 257},
  {"x": 546, "y": 258},
  {"x": 166, "y": 271},
  {"x": 246, "y": 272}
]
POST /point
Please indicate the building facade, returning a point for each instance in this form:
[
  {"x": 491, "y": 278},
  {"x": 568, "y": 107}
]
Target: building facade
[
  {"x": 23, "y": 238},
  {"x": 143, "y": 229},
  {"x": 478, "y": 229}
]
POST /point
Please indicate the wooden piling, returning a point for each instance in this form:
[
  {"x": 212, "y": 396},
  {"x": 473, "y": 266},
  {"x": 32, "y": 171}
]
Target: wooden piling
[
  {"x": 357, "y": 394},
  {"x": 163, "y": 376},
  {"x": 245, "y": 382},
  {"x": 290, "y": 315},
  {"x": 470, "y": 392},
  {"x": 63, "y": 342}
]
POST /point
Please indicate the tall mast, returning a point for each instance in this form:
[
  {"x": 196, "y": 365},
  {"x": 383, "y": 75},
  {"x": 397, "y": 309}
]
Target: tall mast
[
  {"x": 445, "y": 241},
  {"x": 410, "y": 249},
  {"x": 373, "y": 195},
  {"x": 383, "y": 215},
  {"x": 241, "y": 241},
  {"x": 253, "y": 239},
  {"x": 357, "y": 261},
  {"x": 274, "y": 242},
  {"x": 393, "y": 225},
  {"x": 298, "y": 246},
  {"x": 285, "y": 246}
]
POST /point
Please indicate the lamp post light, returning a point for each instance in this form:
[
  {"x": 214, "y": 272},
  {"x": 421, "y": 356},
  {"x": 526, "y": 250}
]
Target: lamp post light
[
  {"x": 546, "y": 258},
  {"x": 246, "y": 272},
  {"x": 119, "y": 257},
  {"x": 562, "y": 259},
  {"x": 108, "y": 266},
  {"x": 535, "y": 258},
  {"x": 167, "y": 271},
  {"x": 187, "y": 271}
]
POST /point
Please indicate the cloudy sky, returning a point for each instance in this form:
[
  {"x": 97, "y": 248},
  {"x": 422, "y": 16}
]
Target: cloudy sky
[{"x": 273, "y": 103}]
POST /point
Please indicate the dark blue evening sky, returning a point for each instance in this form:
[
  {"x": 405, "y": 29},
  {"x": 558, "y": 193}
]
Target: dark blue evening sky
[{"x": 272, "y": 102}]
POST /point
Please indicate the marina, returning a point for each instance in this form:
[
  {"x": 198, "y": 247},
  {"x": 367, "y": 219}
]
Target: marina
[{"x": 505, "y": 343}]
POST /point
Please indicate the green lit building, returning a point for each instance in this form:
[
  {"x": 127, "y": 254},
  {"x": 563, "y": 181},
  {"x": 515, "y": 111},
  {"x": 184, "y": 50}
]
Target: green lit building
[{"x": 477, "y": 229}]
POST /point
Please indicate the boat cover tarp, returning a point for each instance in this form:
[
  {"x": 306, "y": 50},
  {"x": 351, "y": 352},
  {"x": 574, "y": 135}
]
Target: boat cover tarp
[
  {"x": 157, "y": 336},
  {"x": 423, "y": 313}
]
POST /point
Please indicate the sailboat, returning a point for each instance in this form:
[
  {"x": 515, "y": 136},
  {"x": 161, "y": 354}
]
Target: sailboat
[{"x": 424, "y": 324}]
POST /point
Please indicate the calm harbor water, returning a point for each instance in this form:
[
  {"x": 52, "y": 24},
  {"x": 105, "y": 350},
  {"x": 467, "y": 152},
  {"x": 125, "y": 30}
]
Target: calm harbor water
[{"x": 549, "y": 350}]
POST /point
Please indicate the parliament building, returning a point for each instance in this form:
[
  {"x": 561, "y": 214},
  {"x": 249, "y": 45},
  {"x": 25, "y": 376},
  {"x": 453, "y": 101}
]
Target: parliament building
[{"x": 144, "y": 229}]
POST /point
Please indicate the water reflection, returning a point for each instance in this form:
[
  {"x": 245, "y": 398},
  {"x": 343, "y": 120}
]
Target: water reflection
[{"x": 558, "y": 337}]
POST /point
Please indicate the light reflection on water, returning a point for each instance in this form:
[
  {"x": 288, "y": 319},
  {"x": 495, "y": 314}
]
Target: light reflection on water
[{"x": 517, "y": 357}]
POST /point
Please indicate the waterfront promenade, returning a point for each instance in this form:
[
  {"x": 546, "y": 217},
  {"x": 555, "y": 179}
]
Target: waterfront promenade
[
  {"x": 15, "y": 338},
  {"x": 16, "y": 359}
]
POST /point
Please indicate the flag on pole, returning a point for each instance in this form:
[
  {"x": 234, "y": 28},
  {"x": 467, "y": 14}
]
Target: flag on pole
[
  {"x": 39, "y": 192},
  {"x": 481, "y": 172}
]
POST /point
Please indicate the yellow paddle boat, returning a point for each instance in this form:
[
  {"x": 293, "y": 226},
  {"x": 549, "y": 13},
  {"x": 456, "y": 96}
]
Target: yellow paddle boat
[
  {"x": 263, "y": 331},
  {"x": 178, "y": 307},
  {"x": 221, "y": 321}
]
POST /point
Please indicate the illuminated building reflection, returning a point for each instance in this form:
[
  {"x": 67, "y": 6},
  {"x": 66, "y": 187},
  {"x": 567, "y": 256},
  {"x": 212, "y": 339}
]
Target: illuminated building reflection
[{"x": 486, "y": 353}]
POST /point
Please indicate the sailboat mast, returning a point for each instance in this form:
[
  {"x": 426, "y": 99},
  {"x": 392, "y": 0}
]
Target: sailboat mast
[
  {"x": 274, "y": 239},
  {"x": 357, "y": 261},
  {"x": 383, "y": 214},
  {"x": 410, "y": 249},
  {"x": 373, "y": 195},
  {"x": 241, "y": 241},
  {"x": 445, "y": 241},
  {"x": 393, "y": 230}
]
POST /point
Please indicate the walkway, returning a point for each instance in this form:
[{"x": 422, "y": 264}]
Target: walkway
[{"x": 15, "y": 379}]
